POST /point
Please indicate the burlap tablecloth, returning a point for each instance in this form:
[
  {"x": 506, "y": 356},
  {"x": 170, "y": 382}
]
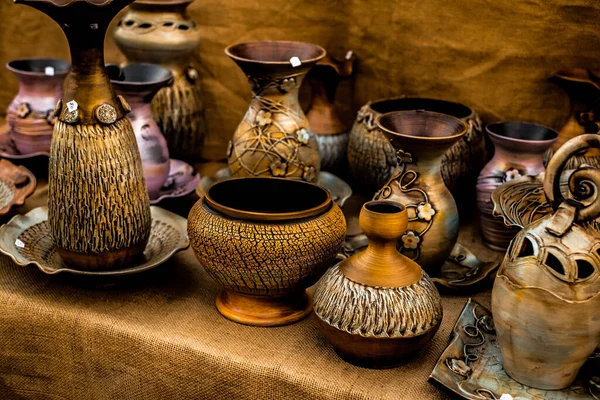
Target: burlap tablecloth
[{"x": 158, "y": 335}]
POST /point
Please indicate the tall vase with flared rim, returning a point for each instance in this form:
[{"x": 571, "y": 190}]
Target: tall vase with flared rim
[
  {"x": 519, "y": 151},
  {"x": 138, "y": 83},
  {"x": 98, "y": 207},
  {"x": 421, "y": 138},
  {"x": 274, "y": 137}
]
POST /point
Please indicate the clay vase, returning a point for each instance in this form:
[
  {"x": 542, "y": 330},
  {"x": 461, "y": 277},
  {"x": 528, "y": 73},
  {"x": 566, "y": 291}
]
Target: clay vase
[
  {"x": 138, "y": 83},
  {"x": 583, "y": 89},
  {"x": 160, "y": 32},
  {"x": 332, "y": 134},
  {"x": 98, "y": 207},
  {"x": 30, "y": 115},
  {"x": 275, "y": 137},
  {"x": 378, "y": 308},
  {"x": 372, "y": 159},
  {"x": 519, "y": 151},
  {"x": 421, "y": 139},
  {"x": 546, "y": 296},
  {"x": 265, "y": 240}
]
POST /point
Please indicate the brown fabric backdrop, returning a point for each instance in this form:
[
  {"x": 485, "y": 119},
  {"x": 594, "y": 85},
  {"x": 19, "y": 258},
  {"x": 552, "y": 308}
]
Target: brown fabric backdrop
[{"x": 492, "y": 55}]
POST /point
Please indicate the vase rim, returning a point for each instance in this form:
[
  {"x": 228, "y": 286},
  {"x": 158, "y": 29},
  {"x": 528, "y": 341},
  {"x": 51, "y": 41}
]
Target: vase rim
[
  {"x": 61, "y": 67},
  {"x": 311, "y": 60},
  {"x": 432, "y": 139},
  {"x": 582, "y": 75},
  {"x": 167, "y": 76},
  {"x": 530, "y": 125},
  {"x": 464, "y": 112},
  {"x": 66, "y": 3},
  {"x": 321, "y": 198},
  {"x": 164, "y": 2}
]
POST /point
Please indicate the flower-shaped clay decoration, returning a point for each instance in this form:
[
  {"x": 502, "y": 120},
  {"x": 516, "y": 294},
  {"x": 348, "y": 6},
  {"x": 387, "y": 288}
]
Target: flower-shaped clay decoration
[
  {"x": 263, "y": 118},
  {"x": 425, "y": 211},
  {"x": 287, "y": 84},
  {"x": 23, "y": 110},
  {"x": 410, "y": 240},
  {"x": 51, "y": 117},
  {"x": 404, "y": 157},
  {"x": 487, "y": 323},
  {"x": 310, "y": 174},
  {"x": 302, "y": 136},
  {"x": 511, "y": 174},
  {"x": 460, "y": 367},
  {"x": 278, "y": 168}
]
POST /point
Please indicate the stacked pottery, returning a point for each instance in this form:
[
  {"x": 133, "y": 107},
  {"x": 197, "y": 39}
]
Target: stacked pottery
[
  {"x": 30, "y": 115},
  {"x": 421, "y": 140},
  {"x": 275, "y": 138},
  {"x": 378, "y": 308},
  {"x": 519, "y": 151},
  {"x": 138, "y": 83}
]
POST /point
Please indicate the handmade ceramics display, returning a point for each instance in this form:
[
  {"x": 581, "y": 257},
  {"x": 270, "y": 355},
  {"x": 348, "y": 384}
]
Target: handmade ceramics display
[
  {"x": 161, "y": 32},
  {"x": 98, "y": 207},
  {"x": 16, "y": 184},
  {"x": 275, "y": 138},
  {"x": 265, "y": 240},
  {"x": 378, "y": 308},
  {"x": 332, "y": 133},
  {"x": 519, "y": 151},
  {"x": 30, "y": 115},
  {"x": 546, "y": 297},
  {"x": 138, "y": 83},
  {"x": 421, "y": 138},
  {"x": 372, "y": 159}
]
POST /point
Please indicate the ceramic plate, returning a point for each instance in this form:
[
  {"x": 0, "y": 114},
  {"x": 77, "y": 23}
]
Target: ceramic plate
[
  {"x": 16, "y": 184},
  {"x": 182, "y": 181}
]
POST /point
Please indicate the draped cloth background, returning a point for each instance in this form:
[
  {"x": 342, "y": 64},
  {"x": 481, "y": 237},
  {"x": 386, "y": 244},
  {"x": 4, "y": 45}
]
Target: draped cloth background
[{"x": 493, "y": 55}]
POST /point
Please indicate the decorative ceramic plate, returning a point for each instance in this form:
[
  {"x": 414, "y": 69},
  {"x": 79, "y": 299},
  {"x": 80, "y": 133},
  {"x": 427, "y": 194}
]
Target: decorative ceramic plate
[
  {"x": 16, "y": 184},
  {"x": 27, "y": 240},
  {"x": 340, "y": 190},
  {"x": 471, "y": 366},
  {"x": 182, "y": 181}
]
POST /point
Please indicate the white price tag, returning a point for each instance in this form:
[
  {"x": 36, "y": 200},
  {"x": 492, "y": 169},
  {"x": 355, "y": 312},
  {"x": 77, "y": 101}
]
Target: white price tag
[
  {"x": 72, "y": 106},
  {"x": 295, "y": 61},
  {"x": 349, "y": 54},
  {"x": 19, "y": 243},
  {"x": 506, "y": 396},
  {"x": 49, "y": 71}
]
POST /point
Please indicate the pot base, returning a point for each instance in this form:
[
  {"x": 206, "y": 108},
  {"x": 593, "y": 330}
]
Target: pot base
[
  {"x": 263, "y": 310},
  {"x": 105, "y": 261}
]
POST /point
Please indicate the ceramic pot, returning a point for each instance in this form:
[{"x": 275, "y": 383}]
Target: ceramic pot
[
  {"x": 30, "y": 115},
  {"x": 519, "y": 151},
  {"x": 265, "y": 240},
  {"x": 98, "y": 207},
  {"x": 160, "y": 32},
  {"x": 583, "y": 89},
  {"x": 275, "y": 138},
  {"x": 421, "y": 139},
  {"x": 546, "y": 296},
  {"x": 332, "y": 134},
  {"x": 138, "y": 83},
  {"x": 372, "y": 159},
  {"x": 378, "y": 308}
]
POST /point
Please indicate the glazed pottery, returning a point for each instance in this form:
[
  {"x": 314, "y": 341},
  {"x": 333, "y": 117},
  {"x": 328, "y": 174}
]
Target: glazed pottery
[
  {"x": 378, "y": 308},
  {"x": 265, "y": 240},
  {"x": 31, "y": 113},
  {"x": 332, "y": 134},
  {"x": 16, "y": 184},
  {"x": 98, "y": 207},
  {"x": 519, "y": 151},
  {"x": 372, "y": 159},
  {"x": 546, "y": 296},
  {"x": 138, "y": 83},
  {"x": 583, "y": 89},
  {"x": 160, "y": 32},
  {"x": 421, "y": 139},
  {"x": 275, "y": 138}
]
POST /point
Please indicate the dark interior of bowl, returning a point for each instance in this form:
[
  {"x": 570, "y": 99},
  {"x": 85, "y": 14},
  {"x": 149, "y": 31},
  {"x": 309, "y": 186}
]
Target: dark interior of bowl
[
  {"x": 522, "y": 131},
  {"x": 414, "y": 103},
  {"x": 138, "y": 73},
  {"x": 275, "y": 51},
  {"x": 267, "y": 195},
  {"x": 384, "y": 207},
  {"x": 422, "y": 124},
  {"x": 38, "y": 65}
]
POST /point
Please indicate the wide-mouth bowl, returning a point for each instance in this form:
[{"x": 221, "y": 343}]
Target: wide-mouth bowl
[
  {"x": 457, "y": 110},
  {"x": 525, "y": 132},
  {"x": 276, "y": 52},
  {"x": 267, "y": 199},
  {"x": 141, "y": 74},
  {"x": 427, "y": 125},
  {"x": 37, "y": 66}
]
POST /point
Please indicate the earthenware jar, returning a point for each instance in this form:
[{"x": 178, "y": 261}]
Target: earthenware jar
[
  {"x": 583, "y": 89},
  {"x": 160, "y": 32},
  {"x": 138, "y": 83},
  {"x": 265, "y": 240},
  {"x": 98, "y": 207},
  {"x": 275, "y": 138},
  {"x": 519, "y": 151},
  {"x": 372, "y": 159},
  {"x": 421, "y": 139},
  {"x": 546, "y": 296},
  {"x": 30, "y": 115},
  {"x": 332, "y": 133},
  {"x": 378, "y": 308}
]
